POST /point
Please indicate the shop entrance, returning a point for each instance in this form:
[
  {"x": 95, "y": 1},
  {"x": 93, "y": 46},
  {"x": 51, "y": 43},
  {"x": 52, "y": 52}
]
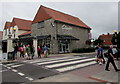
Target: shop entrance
[{"x": 64, "y": 47}]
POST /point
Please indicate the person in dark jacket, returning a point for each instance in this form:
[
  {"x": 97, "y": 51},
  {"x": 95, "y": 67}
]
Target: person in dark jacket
[
  {"x": 15, "y": 51},
  {"x": 111, "y": 60}
]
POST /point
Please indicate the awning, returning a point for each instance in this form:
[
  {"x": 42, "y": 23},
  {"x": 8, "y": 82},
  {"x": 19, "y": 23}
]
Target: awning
[
  {"x": 44, "y": 37},
  {"x": 37, "y": 37},
  {"x": 66, "y": 37}
]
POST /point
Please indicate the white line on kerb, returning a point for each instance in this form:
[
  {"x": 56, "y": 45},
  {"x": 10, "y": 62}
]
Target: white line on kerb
[
  {"x": 14, "y": 70},
  {"x": 21, "y": 74},
  {"x": 29, "y": 78}
]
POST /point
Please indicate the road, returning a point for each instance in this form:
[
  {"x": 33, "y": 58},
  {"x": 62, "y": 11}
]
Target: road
[{"x": 30, "y": 70}]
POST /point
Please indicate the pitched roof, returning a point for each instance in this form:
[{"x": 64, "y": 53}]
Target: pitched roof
[
  {"x": 26, "y": 33},
  {"x": 107, "y": 39},
  {"x": 22, "y": 24},
  {"x": 47, "y": 13},
  {"x": 1, "y": 35},
  {"x": 7, "y": 25}
]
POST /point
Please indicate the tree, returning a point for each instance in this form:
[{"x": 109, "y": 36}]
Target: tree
[
  {"x": 98, "y": 42},
  {"x": 114, "y": 38}
]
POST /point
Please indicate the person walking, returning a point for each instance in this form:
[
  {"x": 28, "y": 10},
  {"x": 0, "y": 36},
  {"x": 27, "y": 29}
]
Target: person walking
[
  {"x": 45, "y": 51},
  {"x": 21, "y": 49},
  {"x": 39, "y": 52},
  {"x": 15, "y": 51},
  {"x": 32, "y": 51},
  {"x": 111, "y": 60},
  {"x": 28, "y": 51},
  {"x": 100, "y": 55}
]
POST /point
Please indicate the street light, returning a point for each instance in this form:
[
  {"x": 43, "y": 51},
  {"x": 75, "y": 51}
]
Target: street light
[
  {"x": 14, "y": 29},
  {"x": 115, "y": 33}
]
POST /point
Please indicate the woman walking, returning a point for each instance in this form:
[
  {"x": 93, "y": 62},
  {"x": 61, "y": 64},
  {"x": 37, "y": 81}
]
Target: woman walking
[
  {"x": 39, "y": 52},
  {"x": 28, "y": 51}
]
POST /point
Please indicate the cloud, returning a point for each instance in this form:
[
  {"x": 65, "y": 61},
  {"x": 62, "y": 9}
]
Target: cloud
[{"x": 102, "y": 17}]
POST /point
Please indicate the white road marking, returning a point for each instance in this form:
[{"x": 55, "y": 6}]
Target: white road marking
[
  {"x": 9, "y": 67},
  {"x": 10, "y": 64},
  {"x": 21, "y": 74},
  {"x": 52, "y": 59},
  {"x": 29, "y": 78},
  {"x": 60, "y": 60},
  {"x": 3, "y": 71},
  {"x": 14, "y": 70},
  {"x": 75, "y": 66},
  {"x": 68, "y": 63},
  {"x": 16, "y": 65}
]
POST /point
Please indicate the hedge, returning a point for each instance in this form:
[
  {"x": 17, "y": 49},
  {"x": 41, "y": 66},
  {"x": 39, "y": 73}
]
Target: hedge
[{"x": 83, "y": 50}]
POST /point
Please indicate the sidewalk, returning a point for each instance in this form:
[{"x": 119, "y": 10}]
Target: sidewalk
[{"x": 49, "y": 56}]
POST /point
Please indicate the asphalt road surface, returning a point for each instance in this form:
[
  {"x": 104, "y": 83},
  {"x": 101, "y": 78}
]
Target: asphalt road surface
[{"x": 29, "y": 70}]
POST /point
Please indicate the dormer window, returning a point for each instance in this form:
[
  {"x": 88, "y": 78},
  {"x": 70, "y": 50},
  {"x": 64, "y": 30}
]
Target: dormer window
[{"x": 41, "y": 24}]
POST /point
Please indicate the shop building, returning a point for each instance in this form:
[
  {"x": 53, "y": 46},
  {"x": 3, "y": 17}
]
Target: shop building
[{"x": 59, "y": 31}]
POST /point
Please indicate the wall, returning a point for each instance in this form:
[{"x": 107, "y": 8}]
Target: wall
[
  {"x": 77, "y": 32},
  {"x": 47, "y": 30}
]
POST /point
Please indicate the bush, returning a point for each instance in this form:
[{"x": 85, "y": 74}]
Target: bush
[{"x": 83, "y": 50}]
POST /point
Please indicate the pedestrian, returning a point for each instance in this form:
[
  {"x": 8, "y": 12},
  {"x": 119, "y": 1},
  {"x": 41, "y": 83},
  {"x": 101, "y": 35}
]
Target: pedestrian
[
  {"x": 111, "y": 59},
  {"x": 15, "y": 51},
  {"x": 32, "y": 51},
  {"x": 100, "y": 57},
  {"x": 28, "y": 51},
  {"x": 24, "y": 50},
  {"x": 45, "y": 51},
  {"x": 21, "y": 49},
  {"x": 39, "y": 52}
]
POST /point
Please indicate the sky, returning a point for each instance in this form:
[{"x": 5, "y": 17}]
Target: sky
[{"x": 102, "y": 17}]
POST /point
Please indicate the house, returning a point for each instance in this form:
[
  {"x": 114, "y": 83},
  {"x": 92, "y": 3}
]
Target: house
[
  {"x": 107, "y": 39},
  {"x": 59, "y": 31},
  {"x": 15, "y": 28},
  {"x": 1, "y": 35}
]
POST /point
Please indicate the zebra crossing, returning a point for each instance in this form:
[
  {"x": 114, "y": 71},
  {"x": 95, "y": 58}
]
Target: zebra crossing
[{"x": 64, "y": 64}]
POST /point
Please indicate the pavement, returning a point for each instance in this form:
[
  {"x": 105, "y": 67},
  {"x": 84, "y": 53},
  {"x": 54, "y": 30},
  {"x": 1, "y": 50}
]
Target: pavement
[{"x": 93, "y": 74}]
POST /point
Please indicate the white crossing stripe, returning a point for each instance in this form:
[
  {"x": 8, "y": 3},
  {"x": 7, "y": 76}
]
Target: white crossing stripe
[
  {"x": 43, "y": 60},
  {"x": 21, "y": 74},
  {"x": 29, "y": 78},
  {"x": 16, "y": 65},
  {"x": 68, "y": 63},
  {"x": 59, "y": 61},
  {"x": 3, "y": 71},
  {"x": 75, "y": 66},
  {"x": 14, "y": 70},
  {"x": 9, "y": 67},
  {"x": 10, "y": 64}
]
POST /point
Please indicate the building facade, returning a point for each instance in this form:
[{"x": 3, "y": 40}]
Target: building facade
[
  {"x": 107, "y": 39},
  {"x": 59, "y": 31},
  {"x": 15, "y": 28}
]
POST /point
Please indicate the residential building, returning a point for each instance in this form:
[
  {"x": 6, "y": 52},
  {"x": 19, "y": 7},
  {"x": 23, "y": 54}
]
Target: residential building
[
  {"x": 107, "y": 39},
  {"x": 59, "y": 31},
  {"x": 20, "y": 25}
]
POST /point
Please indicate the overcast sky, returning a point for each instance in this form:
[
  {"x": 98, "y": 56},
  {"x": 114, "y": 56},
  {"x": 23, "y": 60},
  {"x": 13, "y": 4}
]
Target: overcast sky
[{"x": 102, "y": 17}]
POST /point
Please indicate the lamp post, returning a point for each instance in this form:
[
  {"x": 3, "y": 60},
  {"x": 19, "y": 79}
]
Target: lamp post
[
  {"x": 115, "y": 33},
  {"x": 14, "y": 29}
]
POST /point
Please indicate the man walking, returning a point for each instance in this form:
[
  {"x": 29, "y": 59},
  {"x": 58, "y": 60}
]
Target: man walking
[{"x": 111, "y": 59}]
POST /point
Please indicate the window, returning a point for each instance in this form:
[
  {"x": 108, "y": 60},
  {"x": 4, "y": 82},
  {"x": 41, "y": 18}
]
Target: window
[{"x": 41, "y": 24}]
